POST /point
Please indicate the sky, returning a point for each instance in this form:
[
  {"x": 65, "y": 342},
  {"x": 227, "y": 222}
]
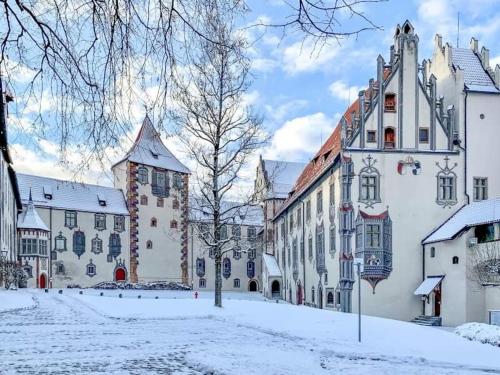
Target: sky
[{"x": 300, "y": 89}]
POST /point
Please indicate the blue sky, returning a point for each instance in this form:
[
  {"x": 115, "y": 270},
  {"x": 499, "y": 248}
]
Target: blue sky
[{"x": 301, "y": 91}]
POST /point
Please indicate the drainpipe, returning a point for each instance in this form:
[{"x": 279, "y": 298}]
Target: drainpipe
[
  {"x": 465, "y": 149},
  {"x": 303, "y": 248}
]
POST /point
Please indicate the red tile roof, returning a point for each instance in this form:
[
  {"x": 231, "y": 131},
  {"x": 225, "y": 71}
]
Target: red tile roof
[{"x": 380, "y": 216}]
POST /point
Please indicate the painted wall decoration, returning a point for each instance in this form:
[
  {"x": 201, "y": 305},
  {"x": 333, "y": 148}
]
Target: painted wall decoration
[
  {"x": 374, "y": 245},
  {"x": 409, "y": 165},
  {"x": 369, "y": 183},
  {"x": 226, "y": 268},
  {"x": 446, "y": 181}
]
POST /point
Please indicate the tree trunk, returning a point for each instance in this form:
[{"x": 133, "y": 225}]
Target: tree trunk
[{"x": 218, "y": 282}]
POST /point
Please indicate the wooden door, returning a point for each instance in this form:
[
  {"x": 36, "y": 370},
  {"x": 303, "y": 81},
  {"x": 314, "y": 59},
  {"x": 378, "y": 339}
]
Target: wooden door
[{"x": 43, "y": 281}]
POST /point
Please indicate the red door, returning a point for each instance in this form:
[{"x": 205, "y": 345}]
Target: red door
[
  {"x": 120, "y": 274},
  {"x": 43, "y": 281}
]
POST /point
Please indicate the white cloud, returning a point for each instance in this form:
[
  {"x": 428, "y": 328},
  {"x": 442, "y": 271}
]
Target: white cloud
[
  {"x": 264, "y": 64},
  {"x": 308, "y": 56},
  {"x": 300, "y": 138},
  {"x": 340, "y": 90},
  {"x": 279, "y": 113}
]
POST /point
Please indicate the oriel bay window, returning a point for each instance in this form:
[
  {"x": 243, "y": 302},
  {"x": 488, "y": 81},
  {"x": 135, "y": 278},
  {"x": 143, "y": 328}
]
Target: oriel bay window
[{"x": 372, "y": 235}]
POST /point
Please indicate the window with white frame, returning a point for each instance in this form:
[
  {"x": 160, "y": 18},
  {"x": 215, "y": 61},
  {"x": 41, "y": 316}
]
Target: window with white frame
[
  {"x": 223, "y": 232},
  {"x": 310, "y": 247},
  {"x": 480, "y": 188},
  {"x": 447, "y": 188}
]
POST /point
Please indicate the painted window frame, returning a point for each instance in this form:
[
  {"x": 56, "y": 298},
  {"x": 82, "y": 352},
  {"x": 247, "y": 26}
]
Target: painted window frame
[
  {"x": 70, "y": 219},
  {"x": 96, "y": 245},
  {"x": 142, "y": 175},
  {"x": 100, "y": 221},
  {"x": 119, "y": 223}
]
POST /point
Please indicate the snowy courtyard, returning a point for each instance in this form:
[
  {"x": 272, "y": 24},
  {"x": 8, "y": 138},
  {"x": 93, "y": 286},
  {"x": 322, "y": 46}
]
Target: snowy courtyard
[{"x": 50, "y": 333}]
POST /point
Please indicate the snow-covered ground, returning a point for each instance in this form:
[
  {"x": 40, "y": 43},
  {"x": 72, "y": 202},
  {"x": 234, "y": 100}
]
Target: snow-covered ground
[
  {"x": 177, "y": 334},
  {"x": 11, "y": 300},
  {"x": 485, "y": 333}
]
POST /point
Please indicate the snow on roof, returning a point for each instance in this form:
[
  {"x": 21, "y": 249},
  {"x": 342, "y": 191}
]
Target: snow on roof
[
  {"x": 282, "y": 176},
  {"x": 428, "y": 285},
  {"x": 29, "y": 218},
  {"x": 71, "y": 195},
  {"x": 272, "y": 267},
  {"x": 475, "y": 77},
  {"x": 476, "y": 213},
  {"x": 232, "y": 212},
  {"x": 148, "y": 149}
]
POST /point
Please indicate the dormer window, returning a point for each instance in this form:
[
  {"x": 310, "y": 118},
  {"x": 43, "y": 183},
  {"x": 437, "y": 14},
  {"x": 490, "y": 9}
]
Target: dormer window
[
  {"x": 154, "y": 155},
  {"x": 390, "y": 103},
  {"x": 47, "y": 192},
  {"x": 102, "y": 200}
]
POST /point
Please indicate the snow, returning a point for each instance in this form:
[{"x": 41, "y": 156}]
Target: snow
[
  {"x": 231, "y": 212},
  {"x": 272, "y": 267},
  {"x": 476, "y": 213},
  {"x": 475, "y": 77},
  {"x": 12, "y": 300},
  {"x": 29, "y": 219},
  {"x": 427, "y": 285},
  {"x": 484, "y": 333},
  {"x": 71, "y": 195},
  {"x": 179, "y": 334},
  {"x": 282, "y": 176}
]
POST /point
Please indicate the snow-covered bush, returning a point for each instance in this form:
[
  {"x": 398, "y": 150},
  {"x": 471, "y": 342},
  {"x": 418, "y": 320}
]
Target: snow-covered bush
[
  {"x": 153, "y": 285},
  {"x": 485, "y": 333}
]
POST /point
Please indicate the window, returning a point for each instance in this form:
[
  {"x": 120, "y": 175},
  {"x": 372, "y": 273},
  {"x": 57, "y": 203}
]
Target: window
[
  {"x": 70, "y": 219},
  {"x": 368, "y": 188},
  {"x": 299, "y": 217},
  {"x": 319, "y": 202},
  {"x": 310, "y": 247},
  {"x": 389, "y": 138},
  {"x": 115, "y": 245},
  {"x": 28, "y": 246},
  {"x": 320, "y": 249},
  {"x": 332, "y": 240},
  {"x": 175, "y": 204},
  {"x": 480, "y": 188},
  {"x": 100, "y": 221},
  {"x": 60, "y": 243},
  {"x": 423, "y": 135},
  {"x": 149, "y": 244},
  {"x": 454, "y": 260},
  {"x": 485, "y": 233},
  {"x": 119, "y": 223},
  {"x": 326, "y": 278},
  {"x": 177, "y": 181},
  {"x": 154, "y": 222},
  {"x": 302, "y": 250},
  {"x": 223, "y": 232},
  {"x": 142, "y": 175},
  {"x": 252, "y": 253},
  {"x": 91, "y": 269},
  {"x": 308, "y": 210},
  {"x": 390, "y": 103},
  {"x": 159, "y": 202},
  {"x": 329, "y": 299},
  {"x": 312, "y": 295},
  {"x": 202, "y": 283},
  {"x": 212, "y": 252},
  {"x": 447, "y": 188},
  {"x": 236, "y": 232},
  {"x": 251, "y": 269},
  {"x": 78, "y": 243},
  {"x": 42, "y": 247},
  {"x": 252, "y": 234},
  {"x": 226, "y": 268},
  {"x": 96, "y": 244},
  {"x": 173, "y": 224},
  {"x": 332, "y": 194},
  {"x": 160, "y": 184},
  {"x": 200, "y": 267},
  {"x": 372, "y": 235},
  {"x": 236, "y": 283},
  {"x": 371, "y": 136},
  {"x": 60, "y": 269},
  {"x": 144, "y": 200},
  {"x": 433, "y": 252},
  {"x": 237, "y": 252},
  {"x": 290, "y": 222},
  {"x": 28, "y": 270}
]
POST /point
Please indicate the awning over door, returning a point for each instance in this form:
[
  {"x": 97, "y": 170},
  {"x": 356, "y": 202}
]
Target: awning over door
[{"x": 428, "y": 285}]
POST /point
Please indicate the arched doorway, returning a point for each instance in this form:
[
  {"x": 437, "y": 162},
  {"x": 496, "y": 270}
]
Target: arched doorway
[
  {"x": 320, "y": 297},
  {"x": 43, "y": 281},
  {"x": 299, "y": 294},
  {"x": 120, "y": 274},
  {"x": 252, "y": 286},
  {"x": 275, "y": 289}
]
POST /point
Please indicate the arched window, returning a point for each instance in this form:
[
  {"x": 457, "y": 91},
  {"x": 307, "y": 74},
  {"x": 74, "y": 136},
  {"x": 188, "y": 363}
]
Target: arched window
[
  {"x": 149, "y": 244},
  {"x": 226, "y": 268},
  {"x": 389, "y": 138},
  {"x": 144, "y": 200},
  {"x": 455, "y": 260},
  {"x": 250, "y": 269},
  {"x": 154, "y": 222},
  {"x": 160, "y": 185},
  {"x": 329, "y": 299},
  {"x": 78, "y": 243},
  {"x": 91, "y": 269},
  {"x": 200, "y": 267},
  {"x": 142, "y": 175},
  {"x": 202, "y": 283},
  {"x": 115, "y": 245}
]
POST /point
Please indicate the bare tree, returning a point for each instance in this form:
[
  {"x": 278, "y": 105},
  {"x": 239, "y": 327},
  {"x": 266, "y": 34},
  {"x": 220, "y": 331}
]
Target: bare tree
[
  {"x": 484, "y": 266},
  {"x": 219, "y": 131}
]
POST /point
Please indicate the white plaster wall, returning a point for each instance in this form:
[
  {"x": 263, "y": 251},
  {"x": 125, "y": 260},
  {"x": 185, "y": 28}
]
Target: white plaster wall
[
  {"x": 492, "y": 300},
  {"x": 8, "y": 213}
]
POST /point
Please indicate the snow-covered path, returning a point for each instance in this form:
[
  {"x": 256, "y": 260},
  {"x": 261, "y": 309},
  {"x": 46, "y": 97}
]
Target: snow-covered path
[{"x": 63, "y": 334}]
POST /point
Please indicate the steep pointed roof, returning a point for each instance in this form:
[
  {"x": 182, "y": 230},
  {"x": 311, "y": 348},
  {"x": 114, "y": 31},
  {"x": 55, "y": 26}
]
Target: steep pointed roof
[
  {"x": 29, "y": 218},
  {"x": 148, "y": 149}
]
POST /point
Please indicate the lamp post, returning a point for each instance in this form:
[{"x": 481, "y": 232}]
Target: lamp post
[{"x": 359, "y": 262}]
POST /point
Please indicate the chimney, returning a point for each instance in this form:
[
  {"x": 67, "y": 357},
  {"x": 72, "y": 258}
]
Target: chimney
[
  {"x": 452, "y": 131},
  {"x": 485, "y": 57},
  {"x": 474, "y": 44},
  {"x": 380, "y": 79},
  {"x": 438, "y": 41},
  {"x": 497, "y": 75},
  {"x": 371, "y": 86},
  {"x": 361, "y": 98}
]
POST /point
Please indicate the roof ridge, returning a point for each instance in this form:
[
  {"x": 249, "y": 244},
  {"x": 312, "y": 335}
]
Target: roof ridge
[{"x": 67, "y": 181}]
